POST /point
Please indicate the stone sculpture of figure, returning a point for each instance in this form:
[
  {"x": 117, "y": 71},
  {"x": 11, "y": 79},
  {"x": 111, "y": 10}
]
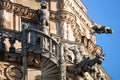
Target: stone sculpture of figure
[
  {"x": 43, "y": 15},
  {"x": 101, "y": 29},
  {"x": 78, "y": 54},
  {"x": 69, "y": 55},
  {"x": 86, "y": 64}
]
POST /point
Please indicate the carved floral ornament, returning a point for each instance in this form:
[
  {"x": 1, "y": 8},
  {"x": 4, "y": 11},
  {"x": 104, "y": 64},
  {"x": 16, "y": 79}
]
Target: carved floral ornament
[{"x": 18, "y": 9}]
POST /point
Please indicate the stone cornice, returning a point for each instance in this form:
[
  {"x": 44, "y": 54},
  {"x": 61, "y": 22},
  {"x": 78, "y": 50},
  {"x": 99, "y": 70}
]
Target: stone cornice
[
  {"x": 63, "y": 16},
  {"x": 77, "y": 13},
  {"x": 18, "y": 9}
]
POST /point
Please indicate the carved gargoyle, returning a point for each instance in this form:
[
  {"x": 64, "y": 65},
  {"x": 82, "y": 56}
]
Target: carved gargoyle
[
  {"x": 86, "y": 64},
  {"x": 101, "y": 29}
]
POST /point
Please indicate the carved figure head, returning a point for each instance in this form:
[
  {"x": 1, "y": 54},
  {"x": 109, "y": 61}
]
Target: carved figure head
[
  {"x": 99, "y": 58},
  {"x": 43, "y": 5},
  {"x": 108, "y": 30}
]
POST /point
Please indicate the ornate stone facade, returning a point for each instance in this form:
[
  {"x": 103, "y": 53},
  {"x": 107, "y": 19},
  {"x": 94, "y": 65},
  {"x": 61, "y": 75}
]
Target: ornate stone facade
[{"x": 56, "y": 41}]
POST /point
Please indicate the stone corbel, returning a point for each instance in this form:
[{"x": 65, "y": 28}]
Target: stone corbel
[
  {"x": 90, "y": 46},
  {"x": 17, "y": 9},
  {"x": 98, "y": 49},
  {"x": 3, "y": 4}
]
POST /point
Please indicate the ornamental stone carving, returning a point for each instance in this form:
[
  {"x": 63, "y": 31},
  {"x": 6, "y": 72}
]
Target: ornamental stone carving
[
  {"x": 13, "y": 73},
  {"x": 83, "y": 62},
  {"x": 70, "y": 57},
  {"x": 18, "y": 9},
  {"x": 101, "y": 29},
  {"x": 96, "y": 73},
  {"x": 65, "y": 16},
  {"x": 43, "y": 15}
]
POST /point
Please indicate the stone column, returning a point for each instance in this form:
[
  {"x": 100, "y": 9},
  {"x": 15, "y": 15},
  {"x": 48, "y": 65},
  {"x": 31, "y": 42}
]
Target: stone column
[
  {"x": 61, "y": 64},
  {"x": 64, "y": 29},
  {"x": 24, "y": 54}
]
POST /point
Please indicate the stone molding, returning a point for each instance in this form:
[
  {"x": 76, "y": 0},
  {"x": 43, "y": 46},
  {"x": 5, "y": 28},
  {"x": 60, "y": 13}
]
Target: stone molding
[
  {"x": 84, "y": 19},
  {"x": 62, "y": 15},
  {"x": 18, "y": 9}
]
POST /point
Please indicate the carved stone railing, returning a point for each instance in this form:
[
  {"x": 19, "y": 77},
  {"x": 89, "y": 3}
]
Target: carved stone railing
[
  {"x": 39, "y": 42},
  {"x": 37, "y": 46}
]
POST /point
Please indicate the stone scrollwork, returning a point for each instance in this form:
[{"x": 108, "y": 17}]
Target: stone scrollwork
[{"x": 13, "y": 73}]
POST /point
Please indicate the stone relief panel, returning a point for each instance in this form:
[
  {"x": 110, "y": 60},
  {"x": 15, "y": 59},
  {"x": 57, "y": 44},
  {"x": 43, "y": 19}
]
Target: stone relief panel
[
  {"x": 2, "y": 71},
  {"x": 9, "y": 71},
  {"x": 13, "y": 72}
]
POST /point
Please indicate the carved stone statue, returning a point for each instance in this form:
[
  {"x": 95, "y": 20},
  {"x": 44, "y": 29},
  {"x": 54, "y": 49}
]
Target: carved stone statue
[
  {"x": 101, "y": 29},
  {"x": 86, "y": 64},
  {"x": 77, "y": 53},
  {"x": 43, "y": 15},
  {"x": 69, "y": 55}
]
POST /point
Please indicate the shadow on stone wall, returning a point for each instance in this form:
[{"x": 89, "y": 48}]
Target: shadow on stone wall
[{"x": 38, "y": 77}]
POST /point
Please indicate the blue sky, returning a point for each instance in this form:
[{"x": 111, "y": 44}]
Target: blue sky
[{"x": 107, "y": 12}]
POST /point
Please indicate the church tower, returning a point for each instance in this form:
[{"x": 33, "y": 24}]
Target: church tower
[{"x": 49, "y": 40}]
